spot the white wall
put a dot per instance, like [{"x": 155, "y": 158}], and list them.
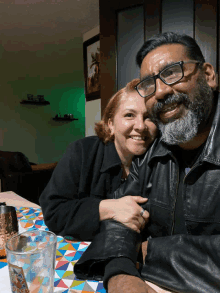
[{"x": 92, "y": 108}]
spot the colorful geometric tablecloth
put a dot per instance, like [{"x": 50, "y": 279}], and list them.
[{"x": 67, "y": 255}]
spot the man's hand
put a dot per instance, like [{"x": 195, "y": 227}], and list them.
[
  {"x": 125, "y": 210},
  {"x": 126, "y": 283}
]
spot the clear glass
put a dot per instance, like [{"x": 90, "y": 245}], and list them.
[{"x": 31, "y": 261}]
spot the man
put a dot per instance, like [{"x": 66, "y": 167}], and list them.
[{"x": 179, "y": 175}]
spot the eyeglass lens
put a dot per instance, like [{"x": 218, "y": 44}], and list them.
[{"x": 169, "y": 76}]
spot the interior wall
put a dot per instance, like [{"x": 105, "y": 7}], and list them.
[
  {"x": 51, "y": 64},
  {"x": 92, "y": 108}
]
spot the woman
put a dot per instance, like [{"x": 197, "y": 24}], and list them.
[{"x": 79, "y": 194}]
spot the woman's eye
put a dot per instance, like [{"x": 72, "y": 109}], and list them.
[{"x": 129, "y": 115}]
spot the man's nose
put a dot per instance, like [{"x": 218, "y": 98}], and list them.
[{"x": 162, "y": 89}]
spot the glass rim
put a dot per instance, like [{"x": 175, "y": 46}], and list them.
[{"x": 30, "y": 252}]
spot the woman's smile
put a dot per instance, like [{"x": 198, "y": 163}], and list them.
[{"x": 138, "y": 138}]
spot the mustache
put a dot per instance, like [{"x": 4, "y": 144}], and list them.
[{"x": 169, "y": 100}]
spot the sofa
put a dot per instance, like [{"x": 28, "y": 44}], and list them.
[{"x": 23, "y": 177}]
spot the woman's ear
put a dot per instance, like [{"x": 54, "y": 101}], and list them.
[
  {"x": 111, "y": 126},
  {"x": 210, "y": 75}
]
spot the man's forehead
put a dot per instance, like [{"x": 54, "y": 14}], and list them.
[{"x": 162, "y": 56}]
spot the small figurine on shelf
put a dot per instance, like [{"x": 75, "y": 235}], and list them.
[
  {"x": 40, "y": 98},
  {"x": 30, "y": 97},
  {"x": 56, "y": 116}
]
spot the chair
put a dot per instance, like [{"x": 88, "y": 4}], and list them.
[{"x": 24, "y": 178}]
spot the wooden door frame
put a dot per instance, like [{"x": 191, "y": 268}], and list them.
[{"x": 108, "y": 38}]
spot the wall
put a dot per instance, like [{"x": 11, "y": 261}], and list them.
[
  {"x": 92, "y": 108},
  {"x": 35, "y": 62}
]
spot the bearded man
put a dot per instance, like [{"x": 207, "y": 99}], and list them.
[{"x": 179, "y": 175}]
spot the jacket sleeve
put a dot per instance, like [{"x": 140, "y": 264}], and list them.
[
  {"x": 114, "y": 242},
  {"x": 184, "y": 263},
  {"x": 179, "y": 263},
  {"x": 66, "y": 210}
]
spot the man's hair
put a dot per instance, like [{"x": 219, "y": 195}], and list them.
[
  {"x": 101, "y": 128},
  {"x": 192, "y": 48}
]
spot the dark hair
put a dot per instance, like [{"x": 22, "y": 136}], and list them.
[
  {"x": 102, "y": 128},
  {"x": 192, "y": 48}
]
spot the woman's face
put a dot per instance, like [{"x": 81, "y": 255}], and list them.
[{"x": 131, "y": 126}]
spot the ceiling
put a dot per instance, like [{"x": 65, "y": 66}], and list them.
[{"x": 48, "y": 17}]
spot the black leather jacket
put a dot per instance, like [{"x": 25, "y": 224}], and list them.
[{"x": 182, "y": 263}]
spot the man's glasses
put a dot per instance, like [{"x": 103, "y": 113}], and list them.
[{"x": 169, "y": 75}]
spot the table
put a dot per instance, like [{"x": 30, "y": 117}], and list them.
[
  {"x": 68, "y": 252},
  {"x": 13, "y": 199}
]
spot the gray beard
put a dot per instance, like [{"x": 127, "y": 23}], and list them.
[
  {"x": 186, "y": 128},
  {"x": 180, "y": 130}
]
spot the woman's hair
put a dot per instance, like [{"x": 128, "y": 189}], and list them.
[
  {"x": 193, "y": 50},
  {"x": 101, "y": 128}
]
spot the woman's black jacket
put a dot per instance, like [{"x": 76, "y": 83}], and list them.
[{"x": 89, "y": 172}]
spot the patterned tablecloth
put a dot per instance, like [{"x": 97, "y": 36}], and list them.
[{"x": 67, "y": 255}]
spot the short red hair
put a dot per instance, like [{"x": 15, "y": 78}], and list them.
[{"x": 101, "y": 128}]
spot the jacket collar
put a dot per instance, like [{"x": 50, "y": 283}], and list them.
[
  {"x": 211, "y": 151},
  {"x": 111, "y": 157}
]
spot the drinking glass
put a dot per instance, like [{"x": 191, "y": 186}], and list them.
[
  {"x": 31, "y": 261},
  {"x": 8, "y": 226}
]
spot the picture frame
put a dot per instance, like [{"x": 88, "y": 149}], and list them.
[{"x": 91, "y": 57}]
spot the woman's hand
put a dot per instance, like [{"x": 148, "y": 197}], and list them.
[{"x": 125, "y": 210}]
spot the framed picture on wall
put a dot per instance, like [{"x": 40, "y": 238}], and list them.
[{"x": 91, "y": 57}]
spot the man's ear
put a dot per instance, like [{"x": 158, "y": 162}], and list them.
[
  {"x": 210, "y": 75},
  {"x": 111, "y": 126}
]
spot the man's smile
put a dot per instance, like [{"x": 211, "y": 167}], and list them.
[{"x": 171, "y": 111}]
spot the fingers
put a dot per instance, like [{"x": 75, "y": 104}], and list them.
[
  {"x": 142, "y": 223},
  {"x": 128, "y": 212},
  {"x": 146, "y": 216},
  {"x": 133, "y": 226},
  {"x": 139, "y": 199}
]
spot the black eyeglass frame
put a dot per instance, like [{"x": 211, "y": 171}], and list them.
[{"x": 155, "y": 77}]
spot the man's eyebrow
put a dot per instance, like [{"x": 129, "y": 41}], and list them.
[{"x": 160, "y": 69}]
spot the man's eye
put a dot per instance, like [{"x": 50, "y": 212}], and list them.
[
  {"x": 147, "y": 84},
  {"x": 168, "y": 73}
]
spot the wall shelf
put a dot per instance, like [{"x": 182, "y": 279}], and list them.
[
  {"x": 35, "y": 102},
  {"x": 64, "y": 119}
]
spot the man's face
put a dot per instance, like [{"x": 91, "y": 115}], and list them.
[{"x": 182, "y": 109}]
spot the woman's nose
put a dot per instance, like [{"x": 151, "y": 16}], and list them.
[
  {"x": 162, "y": 90},
  {"x": 139, "y": 124}
]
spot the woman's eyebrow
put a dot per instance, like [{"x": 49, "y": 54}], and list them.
[{"x": 130, "y": 109}]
